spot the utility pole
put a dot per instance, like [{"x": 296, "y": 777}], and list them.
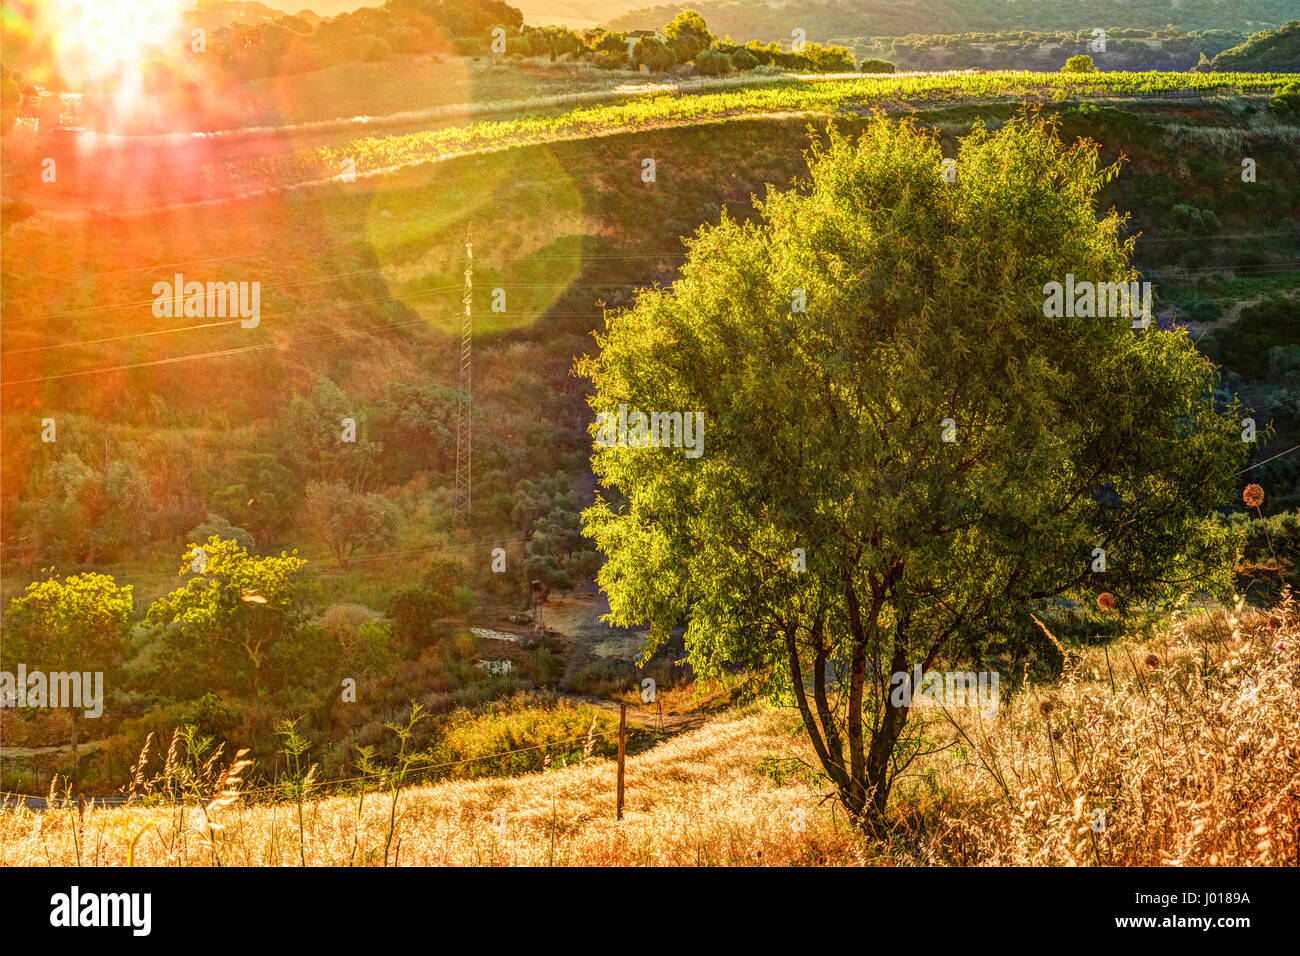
[{"x": 465, "y": 406}]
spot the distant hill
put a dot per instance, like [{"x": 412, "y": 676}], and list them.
[
  {"x": 578, "y": 14},
  {"x": 214, "y": 14},
  {"x": 1276, "y": 51},
  {"x": 823, "y": 19},
  {"x": 1164, "y": 50},
  {"x": 321, "y": 8}
]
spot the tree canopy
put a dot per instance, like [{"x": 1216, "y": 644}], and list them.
[
  {"x": 234, "y": 598},
  {"x": 902, "y": 453}
]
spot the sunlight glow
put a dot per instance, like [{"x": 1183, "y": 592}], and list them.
[{"x": 98, "y": 39}]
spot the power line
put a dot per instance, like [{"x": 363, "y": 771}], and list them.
[
  {"x": 1267, "y": 460},
  {"x": 422, "y": 320}
]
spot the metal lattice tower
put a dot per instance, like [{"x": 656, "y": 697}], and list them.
[{"x": 464, "y": 430}]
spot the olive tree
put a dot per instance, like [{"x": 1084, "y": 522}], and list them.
[
  {"x": 69, "y": 629},
  {"x": 903, "y": 448},
  {"x": 234, "y": 598}
]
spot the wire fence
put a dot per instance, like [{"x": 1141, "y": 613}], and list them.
[{"x": 384, "y": 778}]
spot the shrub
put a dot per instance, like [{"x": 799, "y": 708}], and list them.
[
  {"x": 652, "y": 53},
  {"x": 765, "y": 53},
  {"x": 873, "y": 65},
  {"x": 602, "y": 678},
  {"x": 1286, "y": 100},
  {"x": 611, "y": 61},
  {"x": 1193, "y": 221},
  {"x": 1206, "y": 311},
  {"x": 466, "y": 46},
  {"x": 743, "y": 60},
  {"x": 829, "y": 59},
  {"x": 222, "y": 528},
  {"x": 712, "y": 63},
  {"x": 1079, "y": 64}
]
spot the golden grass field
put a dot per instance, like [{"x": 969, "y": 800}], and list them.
[{"x": 1165, "y": 736}]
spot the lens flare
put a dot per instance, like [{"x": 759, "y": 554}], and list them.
[{"x": 98, "y": 39}]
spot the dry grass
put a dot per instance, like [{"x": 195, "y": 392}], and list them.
[
  {"x": 694, "y": 800},
  {"x": 1188, "y": 766},
  {"x": 1160, "y": 736}
]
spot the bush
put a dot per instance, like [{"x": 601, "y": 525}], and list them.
[
  {"x": 416, "y": 611},
  {"x": 602, "y": 678},
  {"x": 873, "y": 65},
  {"x": 765, "y": 53},
  {"x": 829, "y": 59},
  {"x": 1286, "y": 100},
  {"x": 712, "y": 63},
  {"x": 654, "y": 54},
  {"x": 611, "y": 61},
  {"x": 466, "y": 46},
  {"x": 1284, "y": 364},
  {"x": 222, "y": 528},
  {"x": 1079, "y": 64},
  {"x": 1193, "y": 221},
  {"x": 1245, "y": 346},
  {"x": 743, "y": 60},
  {"x": 1205, "y": 312}
]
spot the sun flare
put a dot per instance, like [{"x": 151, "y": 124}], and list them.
[{"x": 97, "y": 39}]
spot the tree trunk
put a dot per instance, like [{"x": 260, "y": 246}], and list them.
[
  {"x": 883, "y": 742},
  {"x": 254, "y": 655},
  {"x": 76, "y": 763}
]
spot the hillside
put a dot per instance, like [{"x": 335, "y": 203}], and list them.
[
  {"x": 1277, "y": 50},
  {"x": 1157, "y": 737},
  {"x": 824, "y": 19},
  {"x": 361, "y": 287}
]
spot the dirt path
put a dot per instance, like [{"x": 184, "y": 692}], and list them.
[
  {"x": 84, "y": 749},
  {"x": 647, "y": 717},
  {"x": 1233, "y": 313}
]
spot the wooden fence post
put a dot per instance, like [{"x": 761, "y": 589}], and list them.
[{"x": 622, "y": 748}]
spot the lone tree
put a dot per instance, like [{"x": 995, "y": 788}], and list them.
[
  {"x": 344, "y": 520},
  {"x": 901, "y": 452},
  {"x": 234, "y": 598},
  {"x": 69, "y": 629}
]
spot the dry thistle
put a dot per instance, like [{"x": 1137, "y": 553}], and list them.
[{"x": 1253, "y": 496}]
